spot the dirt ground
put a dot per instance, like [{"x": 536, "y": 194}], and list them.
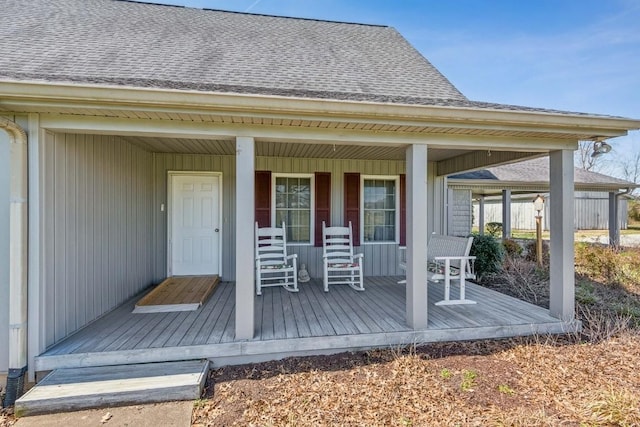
[
  {"x": 519, "y": 382},
  {"x": 537, "y": 381}
]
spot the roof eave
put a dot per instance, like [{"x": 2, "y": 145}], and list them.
[
  {"x": 98, "y": 95},
  {"x": 480, "y": 183}
]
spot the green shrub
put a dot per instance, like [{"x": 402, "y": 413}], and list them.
[
  {"x": 494, "y": 228},
  {"x": 596, "y": 262},
  {"x": 512, "y": 248},
  {"x": 489, "y": 254},
  {"x": 608, "y": 265}
]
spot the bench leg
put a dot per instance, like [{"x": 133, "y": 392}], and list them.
[{"x": 447, "y": 289}]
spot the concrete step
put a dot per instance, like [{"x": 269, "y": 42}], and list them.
[{"x": 81, "y": 388}]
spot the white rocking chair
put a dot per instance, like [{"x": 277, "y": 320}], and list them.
[
  {"x": 341, "y": 265},
  {"x": 273, "y": 266}
]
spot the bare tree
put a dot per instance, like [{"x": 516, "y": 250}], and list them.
[
  {"x": 631, "y": 169},
  {"x": 585, "y": 160}
]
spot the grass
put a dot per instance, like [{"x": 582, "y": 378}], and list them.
[
  {"x": 632, "y": 229},
  {"x": 468, "y": 380}
]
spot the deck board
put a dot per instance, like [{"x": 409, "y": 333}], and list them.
[
  {"x": 291, "y": 330},
  {"x": 225, "y": 304},
  {"x": 283, "y": 316},
  {"x": 335, "y": 304}
]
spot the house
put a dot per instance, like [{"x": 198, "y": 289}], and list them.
[
  {"x": 476, "y": 198},
  {"x": 114, "y": 111}
]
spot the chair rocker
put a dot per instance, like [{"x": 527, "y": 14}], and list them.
[
  {"x": 341, "y": 265},
  {"x": 273, "y": 266}
]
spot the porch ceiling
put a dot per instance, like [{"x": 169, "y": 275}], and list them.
[{"x": 270, "y": 148}]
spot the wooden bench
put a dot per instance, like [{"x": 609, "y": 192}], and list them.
[{"x": 448, "y": 260}]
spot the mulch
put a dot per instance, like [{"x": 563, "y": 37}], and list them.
[{"x": 522, "y": 382}]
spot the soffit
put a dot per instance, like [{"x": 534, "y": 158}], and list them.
[{"x": 352, "y": 123}]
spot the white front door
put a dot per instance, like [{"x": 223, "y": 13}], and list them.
[{"x": 194, "y": 242}]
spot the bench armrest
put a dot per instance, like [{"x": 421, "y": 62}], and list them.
[{"x": 443, "y": 258}]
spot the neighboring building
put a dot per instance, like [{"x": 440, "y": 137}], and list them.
[
  {"x": 128, "y": 108},
  {"x": 485, "y": 191},
  {"x": 591, "y": 211}
]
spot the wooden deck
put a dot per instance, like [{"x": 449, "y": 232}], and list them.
[{"x": 310, "y": 321}]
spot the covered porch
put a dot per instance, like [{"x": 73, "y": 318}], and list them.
[
  {"x": 100, "y": 207},
  {"x": 308, "y": 322}
]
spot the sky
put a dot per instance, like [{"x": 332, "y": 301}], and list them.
[{"x": 572, "y": 55}]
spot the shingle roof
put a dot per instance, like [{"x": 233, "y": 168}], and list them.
[
  {"x": 126, "y": 43},
  {"x": 147, "y": 45},
  {"x": 537, "y": 170}
]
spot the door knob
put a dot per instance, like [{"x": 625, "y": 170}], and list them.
[{"x": 217, "y": 230}]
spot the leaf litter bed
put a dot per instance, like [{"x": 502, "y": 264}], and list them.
[{"x": 517, "y": 382}]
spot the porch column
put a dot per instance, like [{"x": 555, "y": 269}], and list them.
[
  {"x": 614, "y": 226},
  {"x": 417, "y": 234},
  {"x": 481, "y": 215},
  {"x": 562, "y": 280},
  {"x": 245, "y": 207},
  {"x": 506, "y": 214}
]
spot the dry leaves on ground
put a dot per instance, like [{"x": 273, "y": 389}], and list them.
[
  {"x": 513, "y": 382},
  {"x": 6, "y": 418}
]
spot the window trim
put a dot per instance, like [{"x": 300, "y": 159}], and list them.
[
  {"x": 312, "y": 204},
  {"x": 396, "y": 179}
]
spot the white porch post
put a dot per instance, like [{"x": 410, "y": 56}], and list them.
[
  {"x": 417, "y": 234},
  {"x": 614, "y": 226},
  {"x": 506, "y": 214},
  {"x": 481, "y": 215},
  {"x": 245, "y": 207},
  {"x": 562, "y": 280}
]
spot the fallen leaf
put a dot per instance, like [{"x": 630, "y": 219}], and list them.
[{"x": 106, "y": 417}]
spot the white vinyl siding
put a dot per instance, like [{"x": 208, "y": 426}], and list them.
[
  {"x": 460, "y": 215},
  {"x": 96, "y": 214}
]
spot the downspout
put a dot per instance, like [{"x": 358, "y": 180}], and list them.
[{"x": 18, "y": 168}]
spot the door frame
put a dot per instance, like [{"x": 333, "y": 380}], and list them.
[{"x": 170, "y": 175}]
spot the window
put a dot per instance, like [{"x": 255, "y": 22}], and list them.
[
  {"x": 293, "y": 205},
  {"x": 380, "y": 209}
]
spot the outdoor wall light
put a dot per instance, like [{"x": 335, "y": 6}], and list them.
[{"x": 600, "y": 148}]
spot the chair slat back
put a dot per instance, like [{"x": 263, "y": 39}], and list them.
[
  {"x": 271, "y": 244},
  {"x": 337, "y": 243}
]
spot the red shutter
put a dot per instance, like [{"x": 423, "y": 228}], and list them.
[
  {"x": 263, "y": 198},
  {"x": 352, "y": 204},
  {"x": 322, "y": 204},
  {"x": 403, "y": 210}
]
